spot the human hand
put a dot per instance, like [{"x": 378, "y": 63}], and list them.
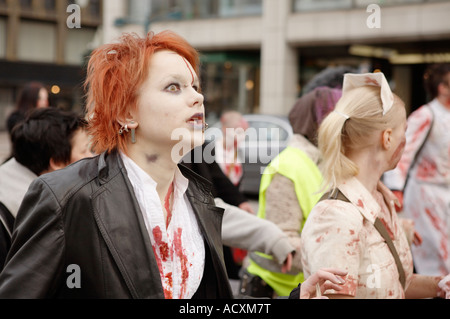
[
  {"x": 417, "y": 239},
  {"x": 322, "y": 280},
  {"x": 399, "y": 202},
  {"x": 444, "y": 284},
  {"x": 247, "y": 207}
]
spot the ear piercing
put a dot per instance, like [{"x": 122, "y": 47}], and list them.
[{"x": 124, "y": 129}]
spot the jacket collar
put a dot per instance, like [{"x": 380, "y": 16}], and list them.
[
  {"x": 117, "y": 211},
  {"x": 355, "y": 191},
  {"x": 361, "y": 198}
]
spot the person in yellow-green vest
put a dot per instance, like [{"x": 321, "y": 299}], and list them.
[{"x": 290, "y": 187}]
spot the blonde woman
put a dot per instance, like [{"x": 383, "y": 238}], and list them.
[{"x": 363, "y": 138}]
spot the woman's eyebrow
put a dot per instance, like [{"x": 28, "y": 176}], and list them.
[{"x": 180, "y": 78}]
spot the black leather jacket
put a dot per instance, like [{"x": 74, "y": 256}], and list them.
[{"x": 87, "y": 215}]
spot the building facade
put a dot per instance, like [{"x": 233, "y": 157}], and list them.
[
  {"x": 46, "y": 41},
  {"x": 258, "y": 54}
]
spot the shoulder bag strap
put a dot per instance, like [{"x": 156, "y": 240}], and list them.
[
  {"x": 416, "y": 155},
  {"x": 379, "y": 226},
  {"x": 384, "y": 233}
]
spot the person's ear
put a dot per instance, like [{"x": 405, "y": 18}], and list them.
[
  {"x": 386, "y": 139},
  {"x": 54, "y": 166},
  {"x": 129, "y": 122}
]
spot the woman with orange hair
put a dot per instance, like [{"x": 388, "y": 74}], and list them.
[{"x": 129, "y": 223}]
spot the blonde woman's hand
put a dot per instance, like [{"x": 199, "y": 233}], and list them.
[
  {"x": 444, "y": 284},
  {"x": 320, "y": 281}
]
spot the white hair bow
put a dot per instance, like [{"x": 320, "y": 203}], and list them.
[{"x": 352, "y": 81}]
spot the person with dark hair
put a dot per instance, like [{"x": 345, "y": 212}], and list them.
[
  {"x": 331, "y": 76},
  {"x": 33, "y": 95},
  {"x": 421, "y": 180},
  {"x": 47, "y": 140}
]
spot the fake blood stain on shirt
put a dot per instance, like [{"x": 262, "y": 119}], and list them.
[
  {"x": 160, "y": 244},
  {"x": 179, "y": 251}
]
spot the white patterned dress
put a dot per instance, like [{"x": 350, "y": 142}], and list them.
[{"x": 427, "y": 192}]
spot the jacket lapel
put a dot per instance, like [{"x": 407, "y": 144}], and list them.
[
  {"x": 209, "y": 218},
  {"x": 121, "y": 224},
  {"x": 208, "y": 215}
]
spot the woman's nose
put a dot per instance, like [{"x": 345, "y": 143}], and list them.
[{"x": 197, "y": 99}]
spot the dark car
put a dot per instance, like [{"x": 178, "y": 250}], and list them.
[{"x": 265, "y": 138}]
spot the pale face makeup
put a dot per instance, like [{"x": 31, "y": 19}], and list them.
[
  {"x": 398, "y": 142},
  {"x": 169, "y": 105}
]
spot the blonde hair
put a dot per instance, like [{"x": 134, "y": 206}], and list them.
[{"x": 338, "y": 135}]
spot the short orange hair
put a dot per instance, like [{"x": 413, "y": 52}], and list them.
[{"x": 114, "y": 76}]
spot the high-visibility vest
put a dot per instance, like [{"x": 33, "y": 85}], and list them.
[{"x": 294, "y": 164}]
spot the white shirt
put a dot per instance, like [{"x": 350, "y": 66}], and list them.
[
  {"x": 179, "y": 248},
  {"x": 14, "y": 182}
]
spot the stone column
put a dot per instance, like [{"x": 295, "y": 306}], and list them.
[{"x": 279, "y": 62}]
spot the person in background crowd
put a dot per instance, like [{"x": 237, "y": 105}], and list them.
[
  {"x": 289, "y": 190},
  {"x": 33, "y": 95},
  {"x": 228, "y": 159},
  {"x": 421, "y": 180},
  {"x": 355, "y": 226},
  {"x": 47, "y": 140},
  {"x": 240, "y": 229},
  {"x": 226, "y": 148},
  {"x": 331, "y": 76}
]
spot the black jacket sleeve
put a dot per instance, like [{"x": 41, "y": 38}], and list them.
[
  {"x": 6, "y": 228},
  {"x": 222, "y": 186}
]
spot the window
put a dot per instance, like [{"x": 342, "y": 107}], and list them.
[
  {"x": 2, "y": 38},
  {"x": 26, "y": 4},
  {"x": 77, "y": 45},
  {"x": 315, "y": 5},
  {"x": 37, "y": 41},
  {"x": 199, "y": 9},
  {"x": 231, "y": 80},
  {"x": 139, "y": 10},
  {"x": 95, "y": 9},
  {"x": 232, "y": 8},
  {"x": 365, "y": 3},
  {"x": 50, "y": 5}
]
